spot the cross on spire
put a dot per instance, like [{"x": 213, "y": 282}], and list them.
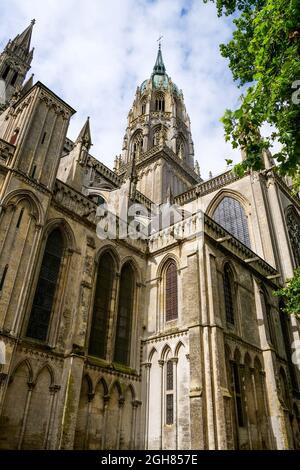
[{"x": 159, "y": 41}]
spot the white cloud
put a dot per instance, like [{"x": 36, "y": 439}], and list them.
[{"x": 94, "y": 53}]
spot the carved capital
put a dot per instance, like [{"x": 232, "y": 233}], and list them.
[
  {"x": 121, "y": 402},
  {"x": 31, "y": 386},
  {"x": 106, "y": 399},
  {"x": 54, "y": 389}
]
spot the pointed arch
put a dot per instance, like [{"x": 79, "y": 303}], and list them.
[
  {"x": 112, "y": 251},
  {"x": 136, "y": 144},
  {"x": 48, "y": 368},
  {"x": 166, "y": 349},
  {"x": 257, "y": 364},
  {"x": 66, "y": 232},
  {"x": 28, "y": 366},
  {"x": 89, "y": 382},
  {"x": 178, "y": 347},
  {"x": 130, "y": 388},
  {"x": 116, "y": 386},
  {"x": 134, "y": 265},
  {"x": 151, "y": 354},
  {"x": 104, "y": 385},
  {"x": 162, "y": 265},
  {"x": 16, "y": 196}
]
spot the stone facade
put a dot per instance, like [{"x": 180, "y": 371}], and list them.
[{"x": 169, "y": 342}]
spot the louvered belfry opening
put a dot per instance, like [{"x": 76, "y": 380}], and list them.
[{"x": 46, "y": 287}]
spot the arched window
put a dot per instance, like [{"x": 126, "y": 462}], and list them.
[
  {"x": 231, "y": 215},
  {"x": 160, "y": 102},
  {"x": 293, "y": 225},
  {"x": 6, "y": 72},
  {"x": 46, "y": 287},
  {"x": 125, "y": 312},
  {"x": 171, "y": 292},
  {"x": 169, "y": 392},
  {"x": 143, "y": 107},
  {"x": 102, "y": 303},
  {"x": 228, "y": 294},
  {"x": 180, "y": 148},
  {"x": 137, "y": 145},
  {"x": 14, "y": 78}
]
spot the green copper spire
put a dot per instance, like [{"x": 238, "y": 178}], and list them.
[{"x": 159, "y": 67}]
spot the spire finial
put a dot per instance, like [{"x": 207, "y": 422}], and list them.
[
  {"x": 85, "y": 135},
  {"x": 159, "y": 67},
  {"x": 33, "y": 22}
]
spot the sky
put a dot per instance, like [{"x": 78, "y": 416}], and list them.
[{"x": 94, "y": 54}]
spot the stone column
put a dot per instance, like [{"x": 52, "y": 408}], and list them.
[
  {"x": 72, "y": 381},
  {"x": 145, "y": 400},
  {"x": 31, "y": 386},
  {"x": 162, "y": 409},
  {"x": 279, "y": 228},
  {"x": 276, "y": 418}
]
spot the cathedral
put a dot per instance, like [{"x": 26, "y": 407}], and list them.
[{"x": 172, "y": 340}]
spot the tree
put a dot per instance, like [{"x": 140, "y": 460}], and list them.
[
  {"x": 291, "y": 294},
  {"x": 264, "y": 54}
]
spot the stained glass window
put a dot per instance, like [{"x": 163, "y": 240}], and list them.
[
  {"x": 171, "y": 292},
  {"x": 102, "y": 302},
  {"x": 169, "y": 392},
  {"x": 47, "y": 283},
  {"x": 169, "y": 408},
  {"x": 231, "y": 215},
  {"x": 124, "y": 320},
  {"x": 170, "y": 375}
]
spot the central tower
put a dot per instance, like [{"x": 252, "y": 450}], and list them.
[{"x": 158, "y": 138}]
